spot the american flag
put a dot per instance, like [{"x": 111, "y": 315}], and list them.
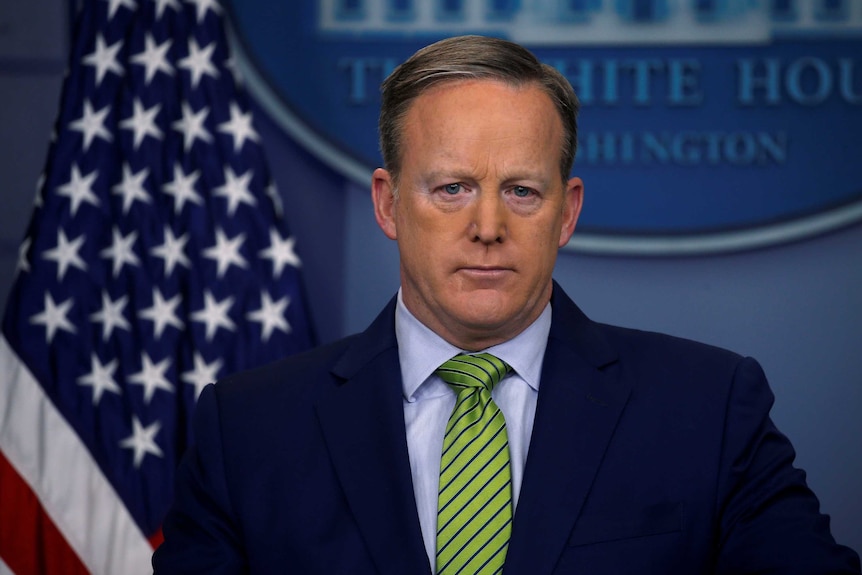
[{"x": 156, "y": 261}]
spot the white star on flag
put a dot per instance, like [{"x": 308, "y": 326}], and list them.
[
  {"x": 239, "y": 127},
  {"x": 114, "y": 5},
  {"x": 23, "y": 262},
  {"x": 104, "y": 58},
  {"x": 235, "y": 189},
  {"x": 162, "y": 4},
  {"x": 101, "y": 378},
  {"x": 171, "y": 250},
  {"x": 270, "y": 315},
  {"x": 154, "y": 57},
  {"x": 152, "y": 376},
  {"x": 272, "y": 191},
  {"x": 142, "y": 441},
  {"x": 182, "y": 188},
  {"x": 37, "y": 202},
  {"x": 66, "y": 254},
  {"x": 162, "y": 313},
  {"x": 280, "y": 252},
  {"x": 111, "y": 315},
  {"x": 203, "y": 5},
  {"x": 214, "y": 315},
  {"x": 191, "y": 126},
  {"x": 199, "y": 62},
  {"x": 53, "y": 317},
  {"x": 132, "y": 187},
  {"x": 79, "y": 189},
  {"x": 225, "y": 252},
  {"x": 203, "y": 373},
  {"x": 92, "y": 124},
  {"x": 120, "y": 251},
  {"x": 232, "y": 65},
  {"x": 142, "y": 122}
]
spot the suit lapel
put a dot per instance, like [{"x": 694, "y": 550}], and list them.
[
  {"x": 580, "y": 402},
  {"x": 363, "y": 424}
]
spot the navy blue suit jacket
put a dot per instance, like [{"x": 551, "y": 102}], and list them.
[{"x": 649, "y": 454}]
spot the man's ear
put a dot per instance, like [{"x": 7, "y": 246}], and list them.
[
  {"x": 571, "y": 209},
  {"x": 383, "y": 196}
]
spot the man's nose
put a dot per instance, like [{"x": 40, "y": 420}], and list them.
[{"x": 489, "y": 217}]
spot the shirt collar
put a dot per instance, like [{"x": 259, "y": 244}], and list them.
[{"x": 421, "y": 351}]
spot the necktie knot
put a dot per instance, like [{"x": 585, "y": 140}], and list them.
[{"x": 473, "y": 371}]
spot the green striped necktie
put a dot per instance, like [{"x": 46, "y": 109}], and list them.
[{"x": 474, "y": 506}]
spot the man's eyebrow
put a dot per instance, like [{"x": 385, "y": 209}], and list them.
[{"x": 454, "y": 174}]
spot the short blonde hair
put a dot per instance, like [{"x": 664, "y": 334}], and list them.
[{"x": 471, "y": 58}]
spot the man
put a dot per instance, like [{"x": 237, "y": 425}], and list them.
[{"x": 591, "y": 449}]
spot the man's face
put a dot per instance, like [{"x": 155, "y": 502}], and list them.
[{"x": 480, "y": 209}]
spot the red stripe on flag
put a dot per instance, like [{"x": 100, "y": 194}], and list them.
[
  {"x": 156, "y": 539},
  {"x": 30, "y": 543}
]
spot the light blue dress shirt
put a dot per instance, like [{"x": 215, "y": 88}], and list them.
[{"x": 429, "y": 401}]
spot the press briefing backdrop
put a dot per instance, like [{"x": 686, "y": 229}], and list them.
[{"x": 720, "y": 151}]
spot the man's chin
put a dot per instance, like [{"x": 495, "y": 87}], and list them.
[{"x": 485, "y": 310}]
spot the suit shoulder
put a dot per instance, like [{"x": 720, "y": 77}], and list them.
[
  {"x": 684, "y": 375},
  {"x": 671, "y": 352},
  {"x": 602, "y": 344},
  {"x": 295, "y": 374}
]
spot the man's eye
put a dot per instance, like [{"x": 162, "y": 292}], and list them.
[
  {"x": 452, "y": 188},
  {"x": 521, "y": 191}
]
